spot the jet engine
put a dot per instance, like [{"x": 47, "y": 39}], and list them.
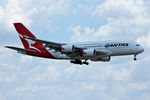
[
  {"x": 104, "y": 59},
  {"x": 89, "y": 52},
  {"x": 67, "y": 48}
]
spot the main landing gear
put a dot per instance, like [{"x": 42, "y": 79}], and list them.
[
  {"x": 135, "y": 58},
  {"x": 77, "y": 61}
]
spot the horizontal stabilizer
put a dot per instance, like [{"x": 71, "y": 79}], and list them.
[{"x": 20, "y": 49}]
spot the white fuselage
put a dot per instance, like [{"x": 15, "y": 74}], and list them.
[{"x": 114, "y": 48}]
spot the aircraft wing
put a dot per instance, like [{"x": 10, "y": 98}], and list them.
[
  {"x": 52, "y": 45},
  {"x": 20, "y": 49}
]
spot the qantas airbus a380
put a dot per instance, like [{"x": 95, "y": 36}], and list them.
[{"x": 77, "y": 53}]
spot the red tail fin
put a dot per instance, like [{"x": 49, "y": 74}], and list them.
[
  {"x": 21, "y": 29},
  {"x": 24, "y": 33}
]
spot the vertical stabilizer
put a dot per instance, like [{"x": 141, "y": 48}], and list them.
[{"x": 24, "y": 34}]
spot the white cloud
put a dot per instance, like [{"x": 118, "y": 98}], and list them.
[
  {"x": 14, "y": 13},
  {"x": 70, "y": 71},
  {"x": 26, "y": 11},
  {"x": 120, "y": 8},
  {"x": 53, "y": 73},
  {"x": 5, "y": 59},
  {"x": 114, "y": 74},
  {"x": 123, "y": 28},
  {"x": 144, "y": 40},
  {"x": 26, "y": 59},
  {"x": 87, "y": 35},
  {"x": 48, "y": 73},
  {"x": 88, "y": 85},
  {"x": 138, "y": 86},
  {"x": 7, "y": 78},
  {"x": 126, "y": 19},
  {"x": 7, "y": 67},
  {"x": 1, "y": 14},
  {"x": 2, "y": 98}
]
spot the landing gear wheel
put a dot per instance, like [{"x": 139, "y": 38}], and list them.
[
  {"x": 135, "y": 58},
  {"x": 85, "y": 63},
  {"x": 71, "y": 61},
  {"x": 77, "y": 61}
]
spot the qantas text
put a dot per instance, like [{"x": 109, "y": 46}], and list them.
[{"x": 116, "y": 45}]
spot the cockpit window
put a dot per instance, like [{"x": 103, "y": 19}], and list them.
[{"x": 137, "y": 45}]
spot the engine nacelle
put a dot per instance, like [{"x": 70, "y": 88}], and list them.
[
  {"x": 67, "y": 48},
  {"x": 88, "y": 52},
  {"x": 104, "y": 59}
]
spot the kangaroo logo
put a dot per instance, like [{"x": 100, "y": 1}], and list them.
[{"x": 30, "y": 42}]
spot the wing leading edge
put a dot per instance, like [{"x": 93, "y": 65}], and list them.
[{"x": 52, "y": 45}]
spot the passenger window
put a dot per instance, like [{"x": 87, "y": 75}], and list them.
[{"x": 137, "y": 45}]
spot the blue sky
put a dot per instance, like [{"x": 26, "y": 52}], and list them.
[{"x": 25, "y": 77}]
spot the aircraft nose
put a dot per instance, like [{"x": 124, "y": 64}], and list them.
[{"x": 141, "y": 49}]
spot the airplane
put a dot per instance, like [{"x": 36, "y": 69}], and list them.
[{"x": 77, "y": 53}]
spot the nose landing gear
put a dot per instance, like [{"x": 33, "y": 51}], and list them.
[{"x": 135, "y": 58}]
